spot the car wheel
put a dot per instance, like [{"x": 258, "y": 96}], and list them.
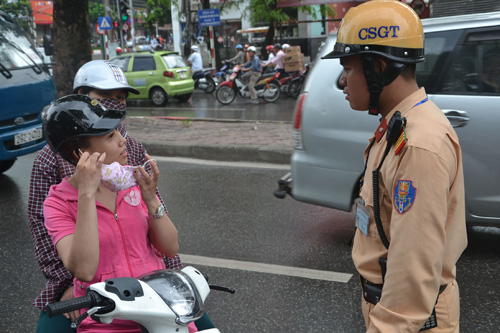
[
  {"x": 158, "y": 96},
  {"x": 225, "y": 95},
  {"x": 272, "y": 92},
  {"x": 183, "y": 98},
  {"x": 6, "y": 165}
]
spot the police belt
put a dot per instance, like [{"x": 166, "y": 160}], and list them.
[{"x": 372, "y": 292}]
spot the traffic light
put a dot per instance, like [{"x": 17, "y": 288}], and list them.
[{"x": 124, "y": 10}]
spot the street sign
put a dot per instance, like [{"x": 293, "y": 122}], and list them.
[
  {"x": 208, "y": 17},
  {"x": 99, "y": 31},
  {"x": 420, "y": 8},
  {"x": 104, "y": 22}
]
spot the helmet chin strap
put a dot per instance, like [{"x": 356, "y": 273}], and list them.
[{"x": 377, "y": 81}]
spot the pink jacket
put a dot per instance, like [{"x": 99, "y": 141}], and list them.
[{"x": 125, "y": 250}]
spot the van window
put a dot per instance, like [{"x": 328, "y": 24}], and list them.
[
  {"x": 144, "y": 64},
  {"x": 476, "y": 66},
  {"x": 438, "y": 47}
]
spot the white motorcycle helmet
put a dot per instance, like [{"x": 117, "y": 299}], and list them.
[
  {"x": 285, "y": 46},
  {"x": 195, "y": 48},
  {"x": 101, "y": 75},
  {"x": 252, "y": 49}
]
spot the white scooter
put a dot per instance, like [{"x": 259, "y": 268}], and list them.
[{"x": 162, "y": 301}]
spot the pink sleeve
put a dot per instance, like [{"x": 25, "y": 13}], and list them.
[
  {"x": 58, "y": 219},
  {"x": 192, "y": 327}
]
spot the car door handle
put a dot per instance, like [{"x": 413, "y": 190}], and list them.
[
  {"x": 457, "y": 118},
  {"x": 151, "y": 73}
]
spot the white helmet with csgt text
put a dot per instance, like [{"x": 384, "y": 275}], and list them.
[{"x": 101, "y": 75}]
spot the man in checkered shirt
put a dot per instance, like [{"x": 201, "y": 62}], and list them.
[{"x": 50, "y": 169}]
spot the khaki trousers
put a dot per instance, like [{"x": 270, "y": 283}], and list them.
[{"x": 251, "y": 77}]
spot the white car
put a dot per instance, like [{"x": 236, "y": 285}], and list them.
[
  {"x": 141, "y": 43},
  {"x": 330, "y": 138}
]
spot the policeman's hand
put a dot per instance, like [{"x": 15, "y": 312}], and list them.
[
  {"x": 87, "y": 176},
  {"x": 67, "y": 295}
]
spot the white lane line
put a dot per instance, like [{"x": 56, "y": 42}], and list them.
[
  {"x": 266, "y": 268},
  {"x": 222, "y": 163}
]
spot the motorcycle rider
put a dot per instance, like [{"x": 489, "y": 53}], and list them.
[
  {"x": 107, "y": 81},
  {"x": 195, "y": 61},
  {"x": 83, "y": 215},
  {"x": 239, "y": 58},
  {"x": 277, "y": 61},
  {"x": 407, "y": 242},
  {"x": 270, "y": 53},
  {"x": 253, "y": 71}
]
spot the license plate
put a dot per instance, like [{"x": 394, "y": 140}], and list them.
[
  {"x": 182, "y": 75},
  {"x": 27, "y": 136}
]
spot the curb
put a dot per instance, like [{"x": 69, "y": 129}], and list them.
[{"x": 221, "y": 153}]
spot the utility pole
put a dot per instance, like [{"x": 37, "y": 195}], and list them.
[
  {"x": 120, "y": 21},
  {"x": 187, "y": 28},
  {"x": 132, "y": 23}
]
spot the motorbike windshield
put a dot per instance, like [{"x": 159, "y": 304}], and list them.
[{"x": 178, "y": 291}]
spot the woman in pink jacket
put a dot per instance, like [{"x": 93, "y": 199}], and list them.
[{"x": 106, "y": 220}]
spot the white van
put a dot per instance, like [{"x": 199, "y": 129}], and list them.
[{"x": 461, "y": 75}]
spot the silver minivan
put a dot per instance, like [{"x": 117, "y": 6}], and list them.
[{"x": 461, "y": 75}]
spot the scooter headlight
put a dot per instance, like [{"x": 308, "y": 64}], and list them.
[{"x": 177, "y": 291}]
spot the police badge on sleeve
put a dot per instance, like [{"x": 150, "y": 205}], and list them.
[{"x": 404, "y": 196}]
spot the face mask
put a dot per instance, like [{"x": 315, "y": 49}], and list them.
[
  {"x": 117, "y": 177},
  {"x": 112, "y": 104}
]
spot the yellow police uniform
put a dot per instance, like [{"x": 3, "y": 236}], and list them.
[{"x": 421, "y": 195}]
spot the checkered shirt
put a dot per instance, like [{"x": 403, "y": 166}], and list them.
[{"x": 50, "y": 169}]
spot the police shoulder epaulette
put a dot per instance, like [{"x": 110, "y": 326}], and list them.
[{"x": 401, "y": 142}]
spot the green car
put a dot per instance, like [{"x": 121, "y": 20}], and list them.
[{"x": 157, "y": 75}]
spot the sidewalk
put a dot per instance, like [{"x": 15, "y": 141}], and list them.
[{"x": 222, "y": 140}]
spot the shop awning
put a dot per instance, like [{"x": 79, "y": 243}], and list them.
[{"x": 253, "y": 30}]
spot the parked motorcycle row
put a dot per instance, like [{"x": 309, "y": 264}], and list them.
[{"x": 227, "y": 84}]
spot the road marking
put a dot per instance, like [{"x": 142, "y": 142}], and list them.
[
  {"x": 266, "y": 268},
  {"x": 222, "y": 163}
]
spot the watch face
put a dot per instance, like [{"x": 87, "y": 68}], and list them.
[{"x": 161, "y": 211}]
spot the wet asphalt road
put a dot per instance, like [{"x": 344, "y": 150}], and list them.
[
  {"x": 228, "y": 212},
  {"x": 202, "y": 106}
]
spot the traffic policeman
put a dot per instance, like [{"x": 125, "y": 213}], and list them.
[{"x": 411, "y": 217}]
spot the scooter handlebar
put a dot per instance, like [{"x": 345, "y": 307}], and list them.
[{"x": 88, "y": 301}]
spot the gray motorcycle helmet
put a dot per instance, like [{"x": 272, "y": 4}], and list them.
[{"x": 101, "y": 75}]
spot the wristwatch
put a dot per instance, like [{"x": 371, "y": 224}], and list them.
[{"x": 159, "y": 213}]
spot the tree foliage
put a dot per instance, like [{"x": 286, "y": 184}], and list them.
[
  {"x": 20, "y": 11},
  {"x": 268, "y": 11},
  {"x": 158, "y": 12}
]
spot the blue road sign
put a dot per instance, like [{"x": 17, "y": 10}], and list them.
[
  {"x": 208, "y": 17},
  {"x": 104, "y": 22}
]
